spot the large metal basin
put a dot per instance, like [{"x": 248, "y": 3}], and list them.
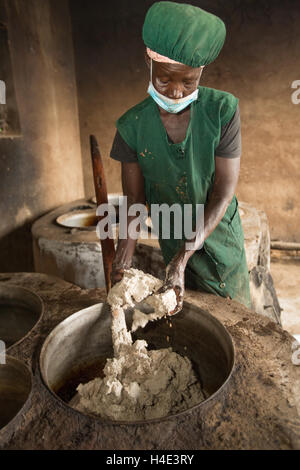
[
  {"x": 20, "y": 310},
  {"x": 76, "y": 350},
  {"x": 15, "y": 387}
]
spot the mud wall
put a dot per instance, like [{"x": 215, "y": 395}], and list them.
[
  {"x": 41, "y": 167},
  {"x": 258, "y": 64}
]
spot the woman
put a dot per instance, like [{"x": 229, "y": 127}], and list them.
[{"x": 182, "y": 145}]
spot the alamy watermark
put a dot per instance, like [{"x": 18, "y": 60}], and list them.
[
  {"x": 2, "y": 352},
  {"x": 295, "y": 97},
  {"x": 2, "y": 92},
  {"x": 174, "y": 221},
  {"x": 296, "y": 353}
]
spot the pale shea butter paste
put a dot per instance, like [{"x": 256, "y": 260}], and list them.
[{"x": 139, "y": 384}]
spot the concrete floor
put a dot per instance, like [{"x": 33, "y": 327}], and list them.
[{"x": 286, "y": 276}]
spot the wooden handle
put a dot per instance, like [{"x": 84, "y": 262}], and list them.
[{"x": 107, "y": 245}]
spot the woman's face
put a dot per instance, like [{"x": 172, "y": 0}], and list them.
[{"x": 175, "y": 80}]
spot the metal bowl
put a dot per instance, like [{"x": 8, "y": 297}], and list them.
[
  {"x": 20, "y": 310},
  {"x": 76, "y": 350},
  {"x": 15, "y": 387},
  {"x": 83, "y": 219}
]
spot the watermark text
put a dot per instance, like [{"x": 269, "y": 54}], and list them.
[
  {"x": 2, "y": 92},
  {"x": 176, "y": 222}
]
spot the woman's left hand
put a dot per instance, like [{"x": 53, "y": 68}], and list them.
[{"x": 175, "y": 280}]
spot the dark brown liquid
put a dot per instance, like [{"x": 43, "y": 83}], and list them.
[
  {"x": 9, "y": 407},
  {"x": 80, "y": 375},
  {"x": 90, "y": 221},
  {"x": 15, "y": 322}
]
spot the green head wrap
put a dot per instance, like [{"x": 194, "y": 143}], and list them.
[{"x": 184, "y": 33}]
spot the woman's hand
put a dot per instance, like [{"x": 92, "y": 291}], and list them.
[{"x": 175, "y": 280}]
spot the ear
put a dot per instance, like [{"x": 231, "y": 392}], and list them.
[{"x": 147, "y": 59}]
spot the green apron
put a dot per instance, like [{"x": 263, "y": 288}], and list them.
[{"x": 184, "y": 173}]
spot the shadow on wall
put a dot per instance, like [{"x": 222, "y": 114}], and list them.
[
  {"x": 40, "y": 169},
  {"x": 17, "y": 243}
]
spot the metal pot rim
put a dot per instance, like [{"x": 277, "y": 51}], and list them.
[
  {"x": 42, "y": 310},
  {"x": 144, "y": 422},
  {"x": 30, "y": 375}
]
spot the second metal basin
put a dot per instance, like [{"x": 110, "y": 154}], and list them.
[
  {"x": 15, "y": 387},
  {"x": 20, "y": 310}
]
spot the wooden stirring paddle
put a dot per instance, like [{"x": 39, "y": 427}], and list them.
[{"x": 107, "y": 245}]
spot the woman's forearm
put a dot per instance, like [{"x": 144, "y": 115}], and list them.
[
  {"x": 133, "y": 190},
  {"x": 213, "y": 214},
  {"x": 126, "y": 248},
  {"x": 226, "y": 178}
]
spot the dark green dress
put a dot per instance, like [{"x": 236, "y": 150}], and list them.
[{"x": 184, "y": 173}]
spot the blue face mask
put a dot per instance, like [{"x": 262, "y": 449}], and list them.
[{"x": 169, "y": 104}]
